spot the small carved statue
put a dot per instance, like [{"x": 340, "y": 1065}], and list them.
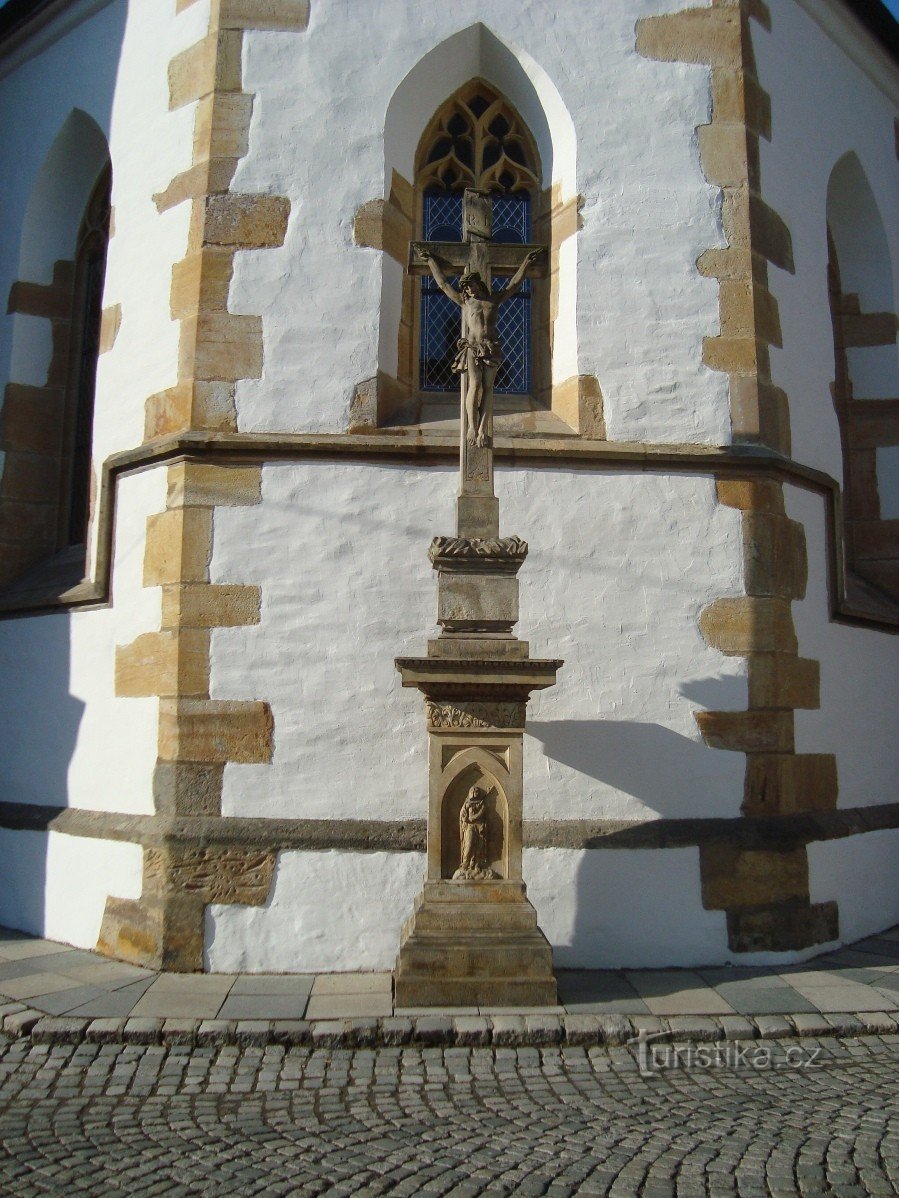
[
  {"x": 478, "y": 350},
  {"x": 475, "y": 860}
]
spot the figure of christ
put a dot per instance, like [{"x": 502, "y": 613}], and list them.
[
  {"x": 478, "y": 350},
  {"x": 475, "y": 862}
]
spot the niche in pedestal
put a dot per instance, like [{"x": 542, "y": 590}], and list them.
[{"x": 474, "y": 821}]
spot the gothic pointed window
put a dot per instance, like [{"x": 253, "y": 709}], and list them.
[{"x": 476, "y": 140}]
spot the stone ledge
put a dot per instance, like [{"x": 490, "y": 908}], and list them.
[
  {"x": 515, "y": 1030},
  {"x": 408, "y": 836}
]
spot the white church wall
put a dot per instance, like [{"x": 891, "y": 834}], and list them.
[
  {"x": 619, "y": 568},
  {"x": 859, "y": 680},
  {"x": 823, "y": 106},
  {"x": 56, "y": 885},
  {"x": 65, "y": 739},
  {"x": 588, "y": 904},
  {"x": 642, "y": 308},
  {"x": 296, "y": 931},
  {"x": 860, "y": 873}
]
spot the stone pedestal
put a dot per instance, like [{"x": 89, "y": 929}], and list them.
[{"x": 473, "y": 937}]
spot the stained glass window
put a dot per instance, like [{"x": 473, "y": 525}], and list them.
[{"x": 476, "y": 140}]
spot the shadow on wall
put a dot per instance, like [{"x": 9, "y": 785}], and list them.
[
  {"x": 640, "y": 906},
  {"x": 670, "y": 774},
  {"x": 39, "y": 728}
]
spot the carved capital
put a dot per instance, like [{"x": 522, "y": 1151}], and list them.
[
  {"x": 443, "y": 717},
  {"x": 471, "y": 555}
]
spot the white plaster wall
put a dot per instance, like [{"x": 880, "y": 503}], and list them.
[
  {"x": 56, "y": 885},
  {"x": 317, "y": 135},
  {"x": 327, "y": 912},
  {"x": 619, "y": 570},
  {"x": 860, "y": 873},
  {"x": 859, "y": 715},
  {"x": 823, "y": 105},
  {"x": 65, "y": 739},
  {"x": 113, "y": 67},
  {"x": 597, "y": 909}
]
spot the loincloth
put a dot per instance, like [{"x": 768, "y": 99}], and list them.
[{"x": 486, "y": 353}]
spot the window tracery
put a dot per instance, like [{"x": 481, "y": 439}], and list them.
[{"x": 476, "y": 140}]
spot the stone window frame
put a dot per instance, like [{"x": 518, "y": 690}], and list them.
[
  {"x": 57, "y": 573},
  {"x": 527, "y": 178}
]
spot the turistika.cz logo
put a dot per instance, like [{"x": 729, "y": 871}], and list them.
[{"x": 656, "y": 1054}]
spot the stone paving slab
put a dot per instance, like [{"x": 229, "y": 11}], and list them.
[{"x": 852, "y": 983}]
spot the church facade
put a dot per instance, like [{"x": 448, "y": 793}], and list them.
[{"x": 230, "y": 430}]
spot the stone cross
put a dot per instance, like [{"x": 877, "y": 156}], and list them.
[{"x": 478, "y": 351}]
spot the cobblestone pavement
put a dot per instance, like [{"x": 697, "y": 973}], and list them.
[{"x": 143, "y": 1120}]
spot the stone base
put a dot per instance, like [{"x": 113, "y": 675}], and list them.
[{"x": 474, "y": 944}]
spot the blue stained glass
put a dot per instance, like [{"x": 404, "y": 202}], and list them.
[{"x": 440, "y": 317}]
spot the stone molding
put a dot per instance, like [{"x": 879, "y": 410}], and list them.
[
  {"x": 759, "y": 834},
  {"x": 744, "y": 465}
]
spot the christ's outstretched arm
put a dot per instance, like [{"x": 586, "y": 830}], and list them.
[
  {"x": 517, "y": 279},
  {"x": 440, "y": 278}
]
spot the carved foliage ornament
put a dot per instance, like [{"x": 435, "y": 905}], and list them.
[
  {"x": 446, "y": 716},
  {"x": 499, "y": 555}
]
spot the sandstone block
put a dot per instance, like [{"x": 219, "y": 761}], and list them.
[
  {"x": 779, "y": 680},
  {"x": 214, "y": 730},
  {"x": 285, "y": 15},
  {"x": 222, "y": 125},
  {"x": 710, "y": 36},
  {"x": 246, "y": 221},
  {"x": 164, "y": 663},
  {"x": 110, "y": 323},
  {"x": 733, "y": 877},
  {"x": 747, "y": 731},
  {"x": 206, "y": 177},
  {"x": 749, "y": 625},
  {"x": 200, "y": 282},
  {"x": 213, "y": 484},
  {"x": 178, "y": 546},
  {"x": 198, "y": 605},
  {"x": 221, "y": 347},
  {"x": 750, "y": 494},
  {"x": 780, "y": 928},
  {"x": 785, "y": 784}
]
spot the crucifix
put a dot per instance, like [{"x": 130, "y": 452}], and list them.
[
  {"x": 478, "y": 350},
  {"x": 473, "y": 937}
]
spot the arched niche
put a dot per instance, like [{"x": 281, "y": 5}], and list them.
[
  {"x": 468, "y": 768},
  {"x": 475, "y": 53},
  {"x": 866, "y": 379}
]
